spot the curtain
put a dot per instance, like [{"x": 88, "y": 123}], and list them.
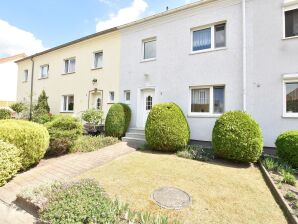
[
  {"x": 202, "y": 39},
  {"x": 200, "y": 99}
]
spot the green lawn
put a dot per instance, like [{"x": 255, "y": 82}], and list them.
[{"x": 221, "y": 192}]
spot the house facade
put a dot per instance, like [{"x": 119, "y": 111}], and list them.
[
  {"x": 215, "y": 56},
  {"x": 76, "y": 76}
]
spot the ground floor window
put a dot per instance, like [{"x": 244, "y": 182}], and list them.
[
  {"x": 67, "y": 103},
  {"x": 207, "y": 100},
  {"x": 127, "y": 96},
  {"x": 112, "y": 96},
  {"x": 291, "y": 98}
]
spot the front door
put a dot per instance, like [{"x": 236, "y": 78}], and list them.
[{"x": 148, "y": 101}]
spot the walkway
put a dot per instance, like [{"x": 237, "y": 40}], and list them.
[{"x": 61, "y": 168}]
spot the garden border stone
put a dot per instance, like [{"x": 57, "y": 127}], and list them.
[{"x": 278, "y": 196}]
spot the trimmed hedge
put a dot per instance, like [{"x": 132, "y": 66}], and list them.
[
  {"x": 117, "y": 120},
  {"x": 287, "y": 147},
  {"x": 64, "y": 131},
  {"x": 31, "y": 138},
  {"x": 10, "y": 161},
  {"x": 5, "y": 114},
  {"x": 167, "y": 128},
  {"x": 237, "y": 136}
]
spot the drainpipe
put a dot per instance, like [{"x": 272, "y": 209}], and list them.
[
  {"x": 244, "y": 66},
  {"x": 31, "y": 90}
]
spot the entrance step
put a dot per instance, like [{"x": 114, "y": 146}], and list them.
[{"x": 135, "y": 136}]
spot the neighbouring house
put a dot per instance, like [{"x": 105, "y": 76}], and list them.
[
  {"x": 209, "y": 57},
  {"x": 76, "y": 76},
  {"x": 8, "y": 79}
]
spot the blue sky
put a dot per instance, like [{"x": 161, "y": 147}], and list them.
[{"x": 44, "y": 24}]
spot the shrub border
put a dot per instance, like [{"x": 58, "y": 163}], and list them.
[{"x": 289, "y": 213}]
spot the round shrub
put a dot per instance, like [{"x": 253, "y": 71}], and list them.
[
  {"x": 10, "y": 161},
  {"x": 64, "y": 131},
  {"x": 31, "y": 138},
  {"x": 287, "y": 147},
  {"x": 237, "y": 136},
  {"x": 167, "y": 128},
  {"x": 5, "y": 114},
  {"x": 117, "y": 120}
]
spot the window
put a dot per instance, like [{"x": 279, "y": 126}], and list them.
[
  {"x": 149, "y": 49},
  {"x": 209, "y": 37},
  {"x": 68, "y": 103},
  {"x": 112, "y": 96},
  {"x": 148, "y": 102},
  {"x": 98, "y": 103},
  {"x": 44, "y": 71},
  {"x": 291, "y": 98},
  {"x": 70, "y": 65},
  {"x": 127, "y": 96},
  {"x": 207, "y": 100},
  {"x": 98, "y": 60},
  {"x": 26, "y": 75},
  {"x": 291, "y": 23}
]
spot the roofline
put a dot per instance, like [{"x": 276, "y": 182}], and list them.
[
  {"x": 168, "y": 12},
  {"x": 70, "y": 43}
]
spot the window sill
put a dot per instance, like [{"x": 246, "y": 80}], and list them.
[
  {"x": 110, "y": 102},
  {"x": 289, "y": 38},
  {"x": 43, "y": 78},
  {"x": 294, "y": 115},
  {"x": 207, "y": 50},
  {"x": 66, "y": 112},
  {"x": 204, "y": 115},
  {"x": 25, "y": 81},
  {"x": 68, "y": 73},
  {"x": 99, "y": 68},
  {"x": 147, "y": 60}
]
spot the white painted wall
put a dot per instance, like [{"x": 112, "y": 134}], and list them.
[
  {"x": 175, "y": 69},
  {"x": 8, "y": 81}
]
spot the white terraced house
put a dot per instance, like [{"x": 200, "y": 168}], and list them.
[{"x": 209, "y": 57}]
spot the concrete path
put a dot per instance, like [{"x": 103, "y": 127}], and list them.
[{"x": 61, "y": 168}]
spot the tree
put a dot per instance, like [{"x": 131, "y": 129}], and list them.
[{"x": 42, "y": 103}]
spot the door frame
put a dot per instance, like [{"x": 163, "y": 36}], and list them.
[{"x": 140, "y": 103}]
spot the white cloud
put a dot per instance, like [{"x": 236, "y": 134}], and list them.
[
  {"x": 124, "y": 15},
  {"x": 14, "y": 40}
]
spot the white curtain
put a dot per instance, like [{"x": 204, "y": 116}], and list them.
[{"x": 202, "y": 39}]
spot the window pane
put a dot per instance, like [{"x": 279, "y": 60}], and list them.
[
  {"x": 202, "y": 39},
  {"x": 219, "y": 99},
  {"x": 72, "y": 65},
  {"x": 292, "y": 97},
  {"x": 64, "y": 103},
  {"x": 148, "y": 102},
  {"x": 66, "y": 66},
  {"x": 70, "y": 103},
  {"x": 150, "y": 49},
  {"x": 127, "y": 95},
  {"x": 98, "y": 60},
  {"x": 26, "y": 75},
  {"x": 112, "y": 96},
  {"x": 200, "y": 100},
  {"x": 220, "y": 35},
  {"x": 291, "y": 19}
]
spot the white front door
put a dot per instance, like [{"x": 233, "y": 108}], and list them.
[{"x": 147, "y": 103}]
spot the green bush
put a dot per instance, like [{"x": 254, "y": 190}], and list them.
[
  {"x": 5, "y": 114},
  {"x": 92, "y": 116},
  {"x": 287, "y": 147},
  {"x": 167, "y": 128},
  {"x": 288, "y": 177},
  {"x": 18, "y": 107},
  {"x": 237, "y": 136},
  {"x": 92, "y": 143},
  {"x": 64, "y": 131},
  {"x": 10, "y": 161},
  {"x": 270, "y": 164},
  {"x": 31, "y": 138},
  {"x": 196, "y": 152},
  {"x": 117, "y": 120}
]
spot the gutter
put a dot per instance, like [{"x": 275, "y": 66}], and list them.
[
  {"x": 31, "y": 90},
  {"x": 244, "y": 63}
]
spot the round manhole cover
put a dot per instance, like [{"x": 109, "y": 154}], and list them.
[{"x": 171, "y": 198}]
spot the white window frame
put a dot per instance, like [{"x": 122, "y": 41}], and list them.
[
  {"x": 69, "y": 59},
  {"x": 93, "y": 60},
  {"x": 125, "y": 99},
  {"x": 25, "y": 75},
  {"x": 143, "y": 49},
  {"x": 62, "y": 103},
  {"x": 110, "y": 94},
  {"x": 284, "y": 10},
  {"x": 212, "y": 26},
  {"x": 211, "y": 102},
  {"x": 41, "y": 68},
  {"x": 290, "y": 78}
]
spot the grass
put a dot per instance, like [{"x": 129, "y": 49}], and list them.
[{"x": 221, "y": 193}]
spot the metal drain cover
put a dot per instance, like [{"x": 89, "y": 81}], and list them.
[{"x": 171, "y": 198}]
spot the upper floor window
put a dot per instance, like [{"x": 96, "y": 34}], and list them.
[
  {"x": 291, "y": 97},
  {"x": 149, "y": 49},
  {"x": 98, "y": 59},
  {"x": 26, "y": 75},
  {"x": 210, "y": 37},
  {"x": 207, "y": 100},
  {"x": 291, "y": 23},
  {"x": 70, "y": 65},
  {"x": 44, "y": 71}
]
